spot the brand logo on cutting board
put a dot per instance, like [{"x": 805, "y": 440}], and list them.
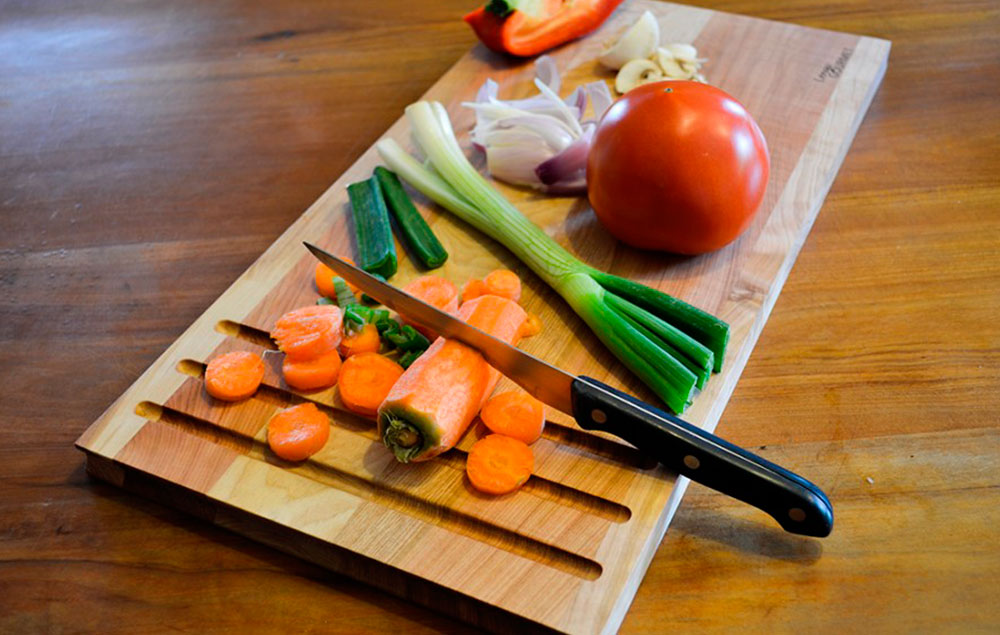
[{"x": 834, "y": 70}]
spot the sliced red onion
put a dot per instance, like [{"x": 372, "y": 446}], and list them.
[{"x": 542, "y": 141}]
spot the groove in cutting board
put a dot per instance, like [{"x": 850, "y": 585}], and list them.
[{"x": 394, "y": 498}]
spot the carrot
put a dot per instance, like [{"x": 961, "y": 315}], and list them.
[
  {"x": 436, "y": 291},
  {"x": 309, "y": 332},
  {"x": 473, "y": 289},
  {"x": 503, "y": 283},
  {"x": 532, "y": 326},
  {"x": 234, "y": 376},
  {"x": 324, "y": 280},
  {"x": 514, "y": 414},
  {"x": 365, "y": 380},
  {"x": 439, "y": 395},
  {"x": 499, "y": 464},
  {"x": 311, "y": 374},
  {"x": 365, "y": 340},
  {"x": 298, "y": 432}
]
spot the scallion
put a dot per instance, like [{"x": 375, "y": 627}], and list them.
[{"x": 665, "y": 341}]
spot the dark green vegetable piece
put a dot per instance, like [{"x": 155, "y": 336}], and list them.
[
  {"x": 409, "y": 357},
  {"x": 416, "y": 233},
  {"x": 408, "y": 339},
  {"x": 376, "y": 249}
]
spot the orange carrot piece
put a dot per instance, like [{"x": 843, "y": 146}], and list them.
[
  {"x": 311, "y": 374},
  {"x": 309, "y": 332},
  {"x": 515, "y": 414},
  {"x": 503, "y": 283},
  {"x": 499, "y": 464},
  {"x": 436, "y": 291},
  {"x": 234, "y": 376},
  {"x": 532, "y": 326},
  {"x": 366, "y": 340},
  {"x": 473, "y": 289},
  {"x": 298, "y": 432},
  {"x": 439, "y": 395},
  {"x": 324, "y": 280},
  {"x": 365, "y": 380}
]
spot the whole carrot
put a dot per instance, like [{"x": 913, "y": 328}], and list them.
[{"x": 439, "y": 395}]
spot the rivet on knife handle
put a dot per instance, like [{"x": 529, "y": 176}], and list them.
[{"x": 799, "y": 506}]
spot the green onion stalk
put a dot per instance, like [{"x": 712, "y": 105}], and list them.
[{"x": 670, "y": 345}]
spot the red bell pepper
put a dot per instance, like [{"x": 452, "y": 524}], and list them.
[{"x": 530, "y": 27}]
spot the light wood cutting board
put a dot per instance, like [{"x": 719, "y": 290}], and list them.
[{"x": 568, "y": 551}]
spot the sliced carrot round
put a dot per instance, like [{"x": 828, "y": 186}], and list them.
[
  {"x": 515, "y": 414},
  {"x": 309, "y": 332},
  {"x": 531, "y": 326},
  {"x": 365, "y": 380},
  {"x": 473, "y": 289},
  {"x": 324, "y": 280},
  {"x": 503, "y": 283},
  {"x": 298, "y": 432},
  {"x": 436, "y": 291},
  {"x": 366, "y": 340},
  {"x": 234, "y": 376},
  {"x": 499, "y": 464},
  {"x": 312, "y": 374}
]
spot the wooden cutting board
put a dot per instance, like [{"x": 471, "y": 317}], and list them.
[{"x": 567, "y": 551}]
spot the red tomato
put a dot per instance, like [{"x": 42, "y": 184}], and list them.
[{"x": 678, "y": 166}]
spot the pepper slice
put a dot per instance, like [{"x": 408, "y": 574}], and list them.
[{"x": 529, "y": 27}]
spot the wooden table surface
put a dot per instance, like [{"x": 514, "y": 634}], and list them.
[{"x": 149, "y": 151}]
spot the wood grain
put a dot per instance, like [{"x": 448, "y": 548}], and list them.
[{"x": 882, "y": 345}]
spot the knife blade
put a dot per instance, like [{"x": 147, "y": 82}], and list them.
[{"x": 796, "y": 504}]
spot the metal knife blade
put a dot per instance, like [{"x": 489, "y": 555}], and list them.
[{"x": 542, "y": 380}]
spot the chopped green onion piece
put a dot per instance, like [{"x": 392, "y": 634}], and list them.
[
  {"x": 409, "y": 357},
  {"x": 376, "y": 249},
  {"x": 416, "y": 233},
  {"x": 325, "y": 300},
  {"x": 345, "y": 296}
]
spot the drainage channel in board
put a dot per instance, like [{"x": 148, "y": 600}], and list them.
[
  {"x": 385, "y": 495},
  {"x": 556, "y": 432},
  {"x": 537, "y": 486}
]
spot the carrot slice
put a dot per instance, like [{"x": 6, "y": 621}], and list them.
[
  {"x": 312, "y": 374},
  {"x": 366, "y": 340},
  {"x": 473, "y": 289},
  {"x": 309, "y": 332},
  {"x": 234, "y": 376},
  {"x": 324, "y": 280},
  {"x": 532, "y": 326},
  {"x": 439, "y": 395},
  {"x": 436, "y": 291},
  {"x": 503, "y": 283},
  {"x": 365, "y": 380},
  {"x": 298, "y": 432},
  {"x": 499, "y": 464},
  {"x": 515, "y": 414}
]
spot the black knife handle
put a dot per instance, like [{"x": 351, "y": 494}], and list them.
[{"x": 799, "y": 506}]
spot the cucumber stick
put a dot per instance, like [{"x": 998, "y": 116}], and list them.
[
  {"x": 416, "y": 233},
  {"x": 376, "y": 249}
]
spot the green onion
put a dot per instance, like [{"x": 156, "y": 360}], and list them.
[
  {"x": 345, "y": 296},
  {"x": 325, "y": 300},
  {"x": 415, "y": 231},
  {"x": 409, "y": 357},
  {"x": 376, "y": 249},
  {"x": 666, "y": 342}
]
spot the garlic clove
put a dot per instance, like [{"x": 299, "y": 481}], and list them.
[
  {"x": 638, "y": 41},
  {"x": 636, "y": 73}
]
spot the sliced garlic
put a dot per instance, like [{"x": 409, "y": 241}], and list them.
[
  {"x": 638, "y": 42},
  {"x": 636, "y": 73},
  {"x": 670, "y": 66},
  {"x": 683, "y": 52}
]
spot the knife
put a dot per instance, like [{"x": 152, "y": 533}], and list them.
[{"x": 796, "y": 504}]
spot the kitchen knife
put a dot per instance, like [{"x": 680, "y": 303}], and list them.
[{"x": 799, "y": 506}]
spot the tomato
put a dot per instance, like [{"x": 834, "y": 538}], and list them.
[{"x": 677, "y": 166}]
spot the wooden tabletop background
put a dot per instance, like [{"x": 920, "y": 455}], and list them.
[{"x": 150, "y": 151}]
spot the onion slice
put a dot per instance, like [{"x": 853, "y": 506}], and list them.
[{"x": 541, "y": 141}]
